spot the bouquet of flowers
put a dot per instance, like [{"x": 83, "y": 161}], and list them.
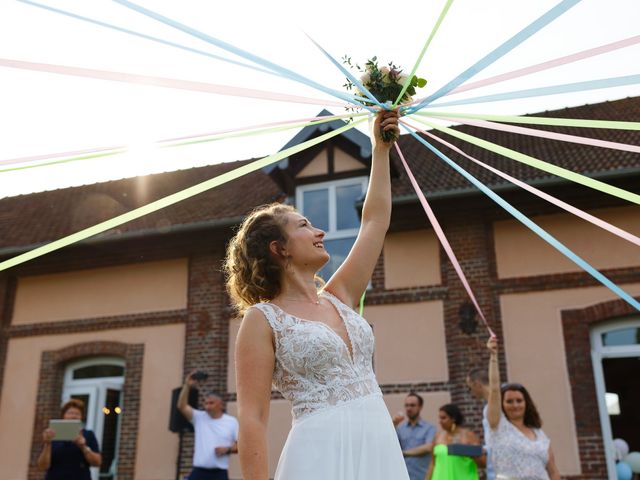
[{"x": 384, "y": 83}]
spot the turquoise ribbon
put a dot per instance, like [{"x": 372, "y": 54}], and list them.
[
  {"x": 238, "y": 51},
  {"x": 547, "y": 237},
  {"x": 350, "y": 76},
  {"x": 500, "y": 51},
  {"x": 550, "y": 90},
  {"x": 142, "y": 35}
]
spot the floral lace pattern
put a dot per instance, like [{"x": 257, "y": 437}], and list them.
[
  {"x": 314, "y": 368},
  {"x": 516, "y": 456}
]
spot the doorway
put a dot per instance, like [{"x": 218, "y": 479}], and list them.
[
  {"x": 98, "y": 382},
  {"x": 615, "y": 348}
]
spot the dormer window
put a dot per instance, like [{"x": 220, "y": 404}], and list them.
[{"x": 331, "y": 206}]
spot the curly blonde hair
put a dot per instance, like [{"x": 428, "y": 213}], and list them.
[{"x": 252, "y": 273}]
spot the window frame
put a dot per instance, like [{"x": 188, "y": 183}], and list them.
[{"x": 332, "y": 232}]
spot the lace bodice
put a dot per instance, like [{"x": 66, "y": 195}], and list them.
[{"x": 314, "y": 369}]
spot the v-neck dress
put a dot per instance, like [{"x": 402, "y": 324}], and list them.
[
  {"x": 515, "y": 456},
  {"x": 341, "y": 428}
]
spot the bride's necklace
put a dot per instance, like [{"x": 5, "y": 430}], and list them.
[{"x": 313, "y": 302}]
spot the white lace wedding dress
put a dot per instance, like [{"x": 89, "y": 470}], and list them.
[{"x": 341, "y": 429}]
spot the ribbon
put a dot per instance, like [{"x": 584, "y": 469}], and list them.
[
  {"x": 174, "y": 142},
  {"x": 574, "y": 57},
  {"x": 361, "y": 305},
  {"x": 529, "y": 223},
  {"x": 237, "y": 51},
  {"x": 550, "y": 90},
  {"x": 539, "y": 164},
  {"x": 500, "y": 51},
  {"x": 170, "y": 199},
  {"x": 349, "y": 75},
  {"x": 558, "y": 122},
  {"x": 435, "y": 29},
  {"x": 146, "y": 37},
  {"x": 164, "y": 82},
  {"x": 555, "y": 201},
  {"x": 443, "y": 239},
  {"x": 563, "y": 137}
]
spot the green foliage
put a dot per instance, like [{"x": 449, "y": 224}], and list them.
[{"x": 384, "y": 83}]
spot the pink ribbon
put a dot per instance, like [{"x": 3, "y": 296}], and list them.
[
  {"x": 165, "y": 82},
  {"x": 563, "y": 137},
  {"x": 47, "y": 156},
  {"x": 592, "y": 52},
  {"x": 565, "y": 206},
  {"x": 443, "y": 239}
]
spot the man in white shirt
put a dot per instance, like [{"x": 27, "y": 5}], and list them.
[{"x": 215, "y": 434}]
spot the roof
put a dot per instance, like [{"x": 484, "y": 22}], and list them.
[
  {"x": 434, "y": 176},
  {"x": 42, "y": 217},
  {"x": 45, "y": 216}
]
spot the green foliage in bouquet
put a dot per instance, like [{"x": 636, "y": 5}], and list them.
[{"x": 384, "y": 83}]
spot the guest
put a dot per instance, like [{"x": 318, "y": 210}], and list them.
[
  {"x": 519, "y": 447},
  {"x": 445, "y": 466},
  {"x": 215, "y": 434},
  {"x": 478, "y": 383},
  {"x": 66, "y": 459},
  {"x": 415, "y": 436}
]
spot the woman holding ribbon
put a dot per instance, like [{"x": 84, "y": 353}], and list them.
[{"x": 519, "y": 447}]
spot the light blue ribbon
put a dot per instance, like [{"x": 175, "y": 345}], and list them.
[
  {"x": 550, "y": 90},
  {"x": 238, "y": 51},
  {"x": 500, "y": 51},
  {"x": 349, "y": 75},
  {"x": 531, "y": 225},
  {"x": 146, "y": 37}
]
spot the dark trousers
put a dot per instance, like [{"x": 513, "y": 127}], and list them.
[{"x": 208, "y": 474}]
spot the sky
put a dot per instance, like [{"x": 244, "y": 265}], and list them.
[{"x": 44, "y": 113}]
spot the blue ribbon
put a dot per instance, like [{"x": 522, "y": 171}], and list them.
[
  {"x": 551, "y": 90},
  {"x": 547, "y": 237},
  {"x": 238, "y": 51},
  {"x": 142, "y": 35},
  {"x": 349, "y": 75},
  {"x": 500, "y": 51}
]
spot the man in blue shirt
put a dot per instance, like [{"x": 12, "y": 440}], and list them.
[{"x": 416, "y": 437}]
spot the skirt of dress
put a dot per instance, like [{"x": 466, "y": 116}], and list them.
[{"x": 352, "y": 441}]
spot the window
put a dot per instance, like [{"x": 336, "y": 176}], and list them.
[{"x": 331, "y": 207}]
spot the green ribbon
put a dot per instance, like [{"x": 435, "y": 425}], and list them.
[
  {"x": 559, "y": 122},
  {"x": 424, "y": 50},
  {"x": 539, "y": 164},
  {"x": 170, "y": 199},
  {"x": 361, "y": 308},
  {"x": 183, "y": 142}
]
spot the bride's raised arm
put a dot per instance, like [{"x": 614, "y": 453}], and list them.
[{"x": 352, "y": 278}]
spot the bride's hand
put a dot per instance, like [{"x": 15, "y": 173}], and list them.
[{"x": 386, "y": 121}]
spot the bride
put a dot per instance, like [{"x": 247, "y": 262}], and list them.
[{"x": 311, "y": 344}]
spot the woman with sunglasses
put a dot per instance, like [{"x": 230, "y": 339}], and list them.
[{"x": 520, "y": 449}]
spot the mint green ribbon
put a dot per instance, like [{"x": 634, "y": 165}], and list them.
[{"x": 170, "y": 199}]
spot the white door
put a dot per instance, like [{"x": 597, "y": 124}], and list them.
[
  {"x": 98, "y": 382},
  {"x": 615, "y": 354}
]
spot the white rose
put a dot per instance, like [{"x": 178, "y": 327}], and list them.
[{"x": 385, "y": 74}]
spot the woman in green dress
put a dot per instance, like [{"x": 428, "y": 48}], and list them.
[{"x": 453, "y": 467}]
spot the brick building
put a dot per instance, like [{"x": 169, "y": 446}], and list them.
[{"x": 118, "y": 319}]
